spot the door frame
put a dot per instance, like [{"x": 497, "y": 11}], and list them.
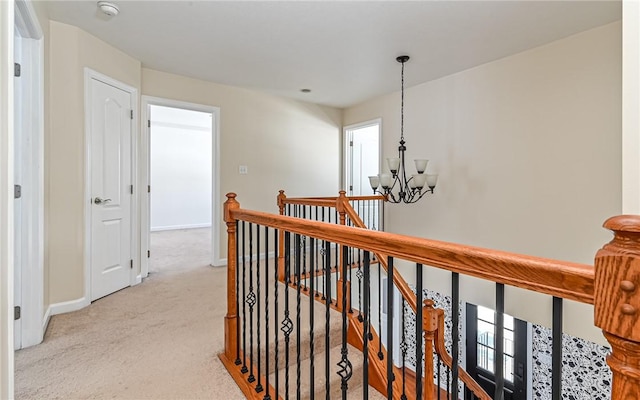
[
  {"x": 345, "y": 146},
  {"x": 90, "y": 74},
  {"x": 6, "y": 199},
  {"x": 31, "y": 289},
  {"x": 145, "y": 177}
]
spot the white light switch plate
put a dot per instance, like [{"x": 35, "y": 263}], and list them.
[{"x": 243, "y": 169}]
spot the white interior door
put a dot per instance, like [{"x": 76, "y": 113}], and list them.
[
  {"x": 111, "y": 188},
  {"x": 362, "y": 157}
]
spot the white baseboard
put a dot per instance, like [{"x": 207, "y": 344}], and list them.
[
  {"x": 176, "y": 227},
  {"x": 68, "y": 306},
  {"x": 45, "y": 320},
  {"x": 221, "y": 262}
]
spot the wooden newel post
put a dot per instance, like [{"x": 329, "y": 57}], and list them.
[
  {"x": 281, "y": 198},
  {"x": 281, "y": 206},
  {"x": 231, "y": 319},
  {"x": 430, "y": 327},
  {"x": 617, "y": 303}
]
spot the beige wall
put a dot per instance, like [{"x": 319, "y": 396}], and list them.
[
  {"x": 286, "y": 144},
  {"x": 70, "y": 51},
  {"x": 528, "y": 149}
]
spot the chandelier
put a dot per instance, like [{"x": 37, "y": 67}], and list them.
[{"x": 395, "y": 185}]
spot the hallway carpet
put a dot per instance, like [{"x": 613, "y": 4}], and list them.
[{"x": 156, "y": 340}]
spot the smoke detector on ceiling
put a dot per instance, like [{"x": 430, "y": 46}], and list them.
[{"x": 109, "y": 9}]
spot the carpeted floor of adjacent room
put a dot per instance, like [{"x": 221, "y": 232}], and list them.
[{"x": 157, "y": 340}]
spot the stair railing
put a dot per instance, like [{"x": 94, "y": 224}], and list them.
[
  {"x": 352, "y": 211},
  {"x": 610, "y": 286}
]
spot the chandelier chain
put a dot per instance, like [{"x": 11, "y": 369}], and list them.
[{"x": 402, "y": 105}]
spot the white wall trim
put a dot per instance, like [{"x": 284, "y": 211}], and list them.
[
  {"x": 176, "y": 227},
  {"x": 28, "y": 24},
  {"x": 68, "y": 306},
  {"x": 144, "y": 178},
  {"x": 135, "y": 244},
  {"x": 630, "y": 106},
  {"x": 31, "y": 291},
  {"x": 6, "y": 199}
]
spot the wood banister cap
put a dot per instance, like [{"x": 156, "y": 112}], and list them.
[
  {"x": 623, "y": 223},
  {"x": 626, "y": 235},
  {"x": 429, "y": 303},
  {"x": 230, "y": 204}
]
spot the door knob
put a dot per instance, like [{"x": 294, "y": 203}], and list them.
[{"x": 98, "y": 200}]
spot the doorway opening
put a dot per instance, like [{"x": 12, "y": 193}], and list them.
[
  {"x": 180, "y": 143},
  {"x": 362, "y": 157},
  {"x": 180, "y": 217},
  {"x": 362, "y": 160}
]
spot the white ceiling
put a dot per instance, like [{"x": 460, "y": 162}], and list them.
[{"x": 344, "y": 51}]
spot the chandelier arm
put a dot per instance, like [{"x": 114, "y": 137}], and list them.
[{"x": 422, "y": 193}]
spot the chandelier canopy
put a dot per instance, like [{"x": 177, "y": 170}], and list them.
[{"x": 395, "y": 184}]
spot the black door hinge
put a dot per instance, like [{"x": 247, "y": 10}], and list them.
[
  {"x": 131, "y": 114},
  {"x": 131, "y": 188},
  {"x": 131, "y": 264},
  {"x": 148, "y": 253},
  {"x": 148, "y": 188},
  {"x": 16, "y": 313},
  {"x": 148, "y": 123},
  {"x": 17, "y": 191},
  {"x": 17, "y": 69}
]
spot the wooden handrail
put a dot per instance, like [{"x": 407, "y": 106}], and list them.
[
  {"x": 611, "y": 285},
  {"x": 556, "y": 278}
]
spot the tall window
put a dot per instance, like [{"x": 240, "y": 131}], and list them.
[{"x": 482, "y": 354}]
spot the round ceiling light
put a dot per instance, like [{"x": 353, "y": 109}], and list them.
[
  {"x": 109, "y": 9},
  {"x": 305, "y": 90}
]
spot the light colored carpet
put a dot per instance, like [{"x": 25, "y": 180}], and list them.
[{"x": 157, "y": 340}]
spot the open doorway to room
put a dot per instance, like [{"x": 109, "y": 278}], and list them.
[{"x": 181, "y": 202}]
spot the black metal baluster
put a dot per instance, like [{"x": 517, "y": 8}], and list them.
[
  {"x": 359, "y": 275},
  {"x": 337, "y": 263},
  {"x": 287, "y": 324},
  {"x": 419, "y": 328},
  {"x": 317, "y": 263},
  {"x": 390, "y": 376},
  {"x": 327, "y": 257},
  {"x": 438, "y": 378},
  {"x": 259, "y": 387},
  {"x": 238, "y": 360},
  {"x": 499, "y": 343},
  {"x": 267, "y": 396},
  {"x": 380, "y": 353},
  {"x": 324, "y": 263},
  {"x": 346, "y": 369},
  {"x": 366, "y": 328},
  {"x": 297, "y": 243},
  {"x": 448, "y": 381},
  {"x": 403, "y": 349},
  {"x": 303, "y": 249},
  {"x": 455, "y": 331},
  {"x": 312, "y": 243},
  {"x": 556, "y": 350},
  {"x": 275, "y": 314},
  {"x": 251, "y": 301},
  {"x": 244, "y": 368}
]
